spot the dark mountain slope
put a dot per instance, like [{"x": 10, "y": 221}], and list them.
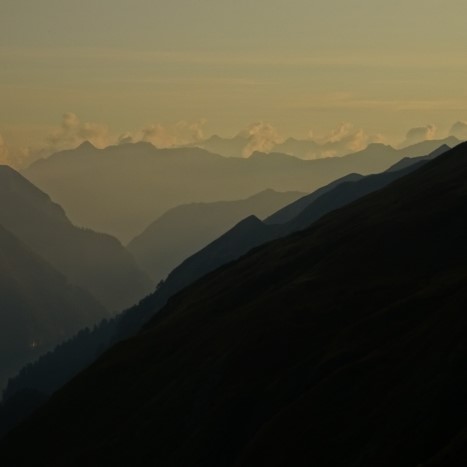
[
  {"x": 184, "y": 230},
  {"x": 38, "y": 307},
  {"x": 408, "y": 161},
  {"x": 249, "y": 233},
  {"x": 252, "y": 232},
  {"x": 287, "y": 213},
  {"x": 343, "y": 194},
  {"x": 340, "y": 345},
  {"x": 93, "y": 261}
]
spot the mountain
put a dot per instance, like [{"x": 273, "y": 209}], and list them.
[
  {"x": 241, "y": 144},
  {"x": 183, "y": 230},
  {"x": 408, "y": 161},
  {"x": 247, "y": 234},
  {"x": 93, "y": 261},
  {"x": 227, "y": 147},
  {"x": 252, "y": 232},
  {"x": 122, "y": 189},
  {"x": 343, "y": 344},
  {"x": 428, "y": 146},
  {"x": 305, "y": 149},
  {"x": 38, "y": 306},
  {"x": 287, "y": 213}
]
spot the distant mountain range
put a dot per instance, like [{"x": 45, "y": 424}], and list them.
[
  {"x": 122, "y": 189},
  {"x": 342, "y": 344},
  {"x": 95, "y": 262},
  {"x": 50, "y": 372},
  {"x": 301, "y": 148},
  {"x": 183, "y": 230}
]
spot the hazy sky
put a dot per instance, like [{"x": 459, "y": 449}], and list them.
[{"x": 218, "y": 65}]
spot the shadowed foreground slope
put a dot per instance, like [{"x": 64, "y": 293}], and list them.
[
  {"x": 53, "y": 370},
  {"x": 340, "y": 345}
]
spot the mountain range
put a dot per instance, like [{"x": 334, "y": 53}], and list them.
[
  {"x": 93, "y": 261},
  {"x": 56, "y": 368},
  {"x": 121, "y": 189},
  {"x": 342, "y": 344},
  {"x": 184, "y": 230},
  {"x": 243, "y": 144}
]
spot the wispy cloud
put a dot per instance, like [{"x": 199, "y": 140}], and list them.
[
  {"x": 419, "y": 134},
  {"x": 73, "y": 132},
  {"x": 261, "y": 137},
  {"x": 14, "y": 156},
  {"x": 459, "y": 130},
  {"x": 168, "y": 135}
]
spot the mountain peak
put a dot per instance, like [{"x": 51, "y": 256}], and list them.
[{"x": 86, "y": 145}]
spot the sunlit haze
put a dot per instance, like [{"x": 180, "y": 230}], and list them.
[{"x": 176, "y": 72}]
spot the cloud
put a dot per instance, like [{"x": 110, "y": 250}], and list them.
[
  {"x": 125, "y": 138},
  {"x": 419, "y": 134},
  {"x": 261, "y": 137},
  {"x": 167, "y": 136},
  {"x": 344, "y": 139},
  {"x": 459, "y": 130},
  {"x": 16, "y": 157},
  {"x": 73, "y": 132}
]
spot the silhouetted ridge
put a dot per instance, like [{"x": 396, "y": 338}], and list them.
[
  {"x": 142, "y": 182},
  {"x": 292, "y": 210},
  {"x": 343, "y": 344},
  {"x": 408, "y": 161},
  {"x": 96, "y": 262},
  {"x": 230, "y": 246},
  {"x": 86, "y": 146},
  {"x": 184, "y": 230}
]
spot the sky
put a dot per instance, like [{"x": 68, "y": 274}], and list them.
[{"x": 185, "y": 69}]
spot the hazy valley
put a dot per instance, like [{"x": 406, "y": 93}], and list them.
[
  {"x": 78, "y": 267},
  {"x": 281, "y": 331}
]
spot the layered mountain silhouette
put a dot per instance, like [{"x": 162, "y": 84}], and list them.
[
  {"x": 240, "y": 144},
  {"x": 252, "y": 232},
  {"x": 122, "y": 189},
  {"x": 184, "y": 230},
  {"x": 343, "y": 344},
  {"x": 249, "y": 233},
  {"x": 287, "y": 213},
  {"x": 38, "y": 306},
  {"x": 90, "y": 260}
]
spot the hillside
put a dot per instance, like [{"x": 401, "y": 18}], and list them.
[
  {"x": 247, "y": 234},
  {"x": 39, "y": 307},
  {"x": 182, "y": 231},
  {"x": 93, "y": 261},
  {"x": 343, "y": 344}
]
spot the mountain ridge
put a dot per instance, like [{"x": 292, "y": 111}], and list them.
[
  {"x": 185, "y": 229},
  {"x": 143, "y": 182},
  {"x": 94, "y": 261},
  {"x": 339, "y": 345}
]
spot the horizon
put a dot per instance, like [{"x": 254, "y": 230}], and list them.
[{"x": 177, "y": 72}]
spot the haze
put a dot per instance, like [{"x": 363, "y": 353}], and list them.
[{"x": 189, "y": 69}]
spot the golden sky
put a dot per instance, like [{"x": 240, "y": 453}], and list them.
[{"x": 194, "y": 68}]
